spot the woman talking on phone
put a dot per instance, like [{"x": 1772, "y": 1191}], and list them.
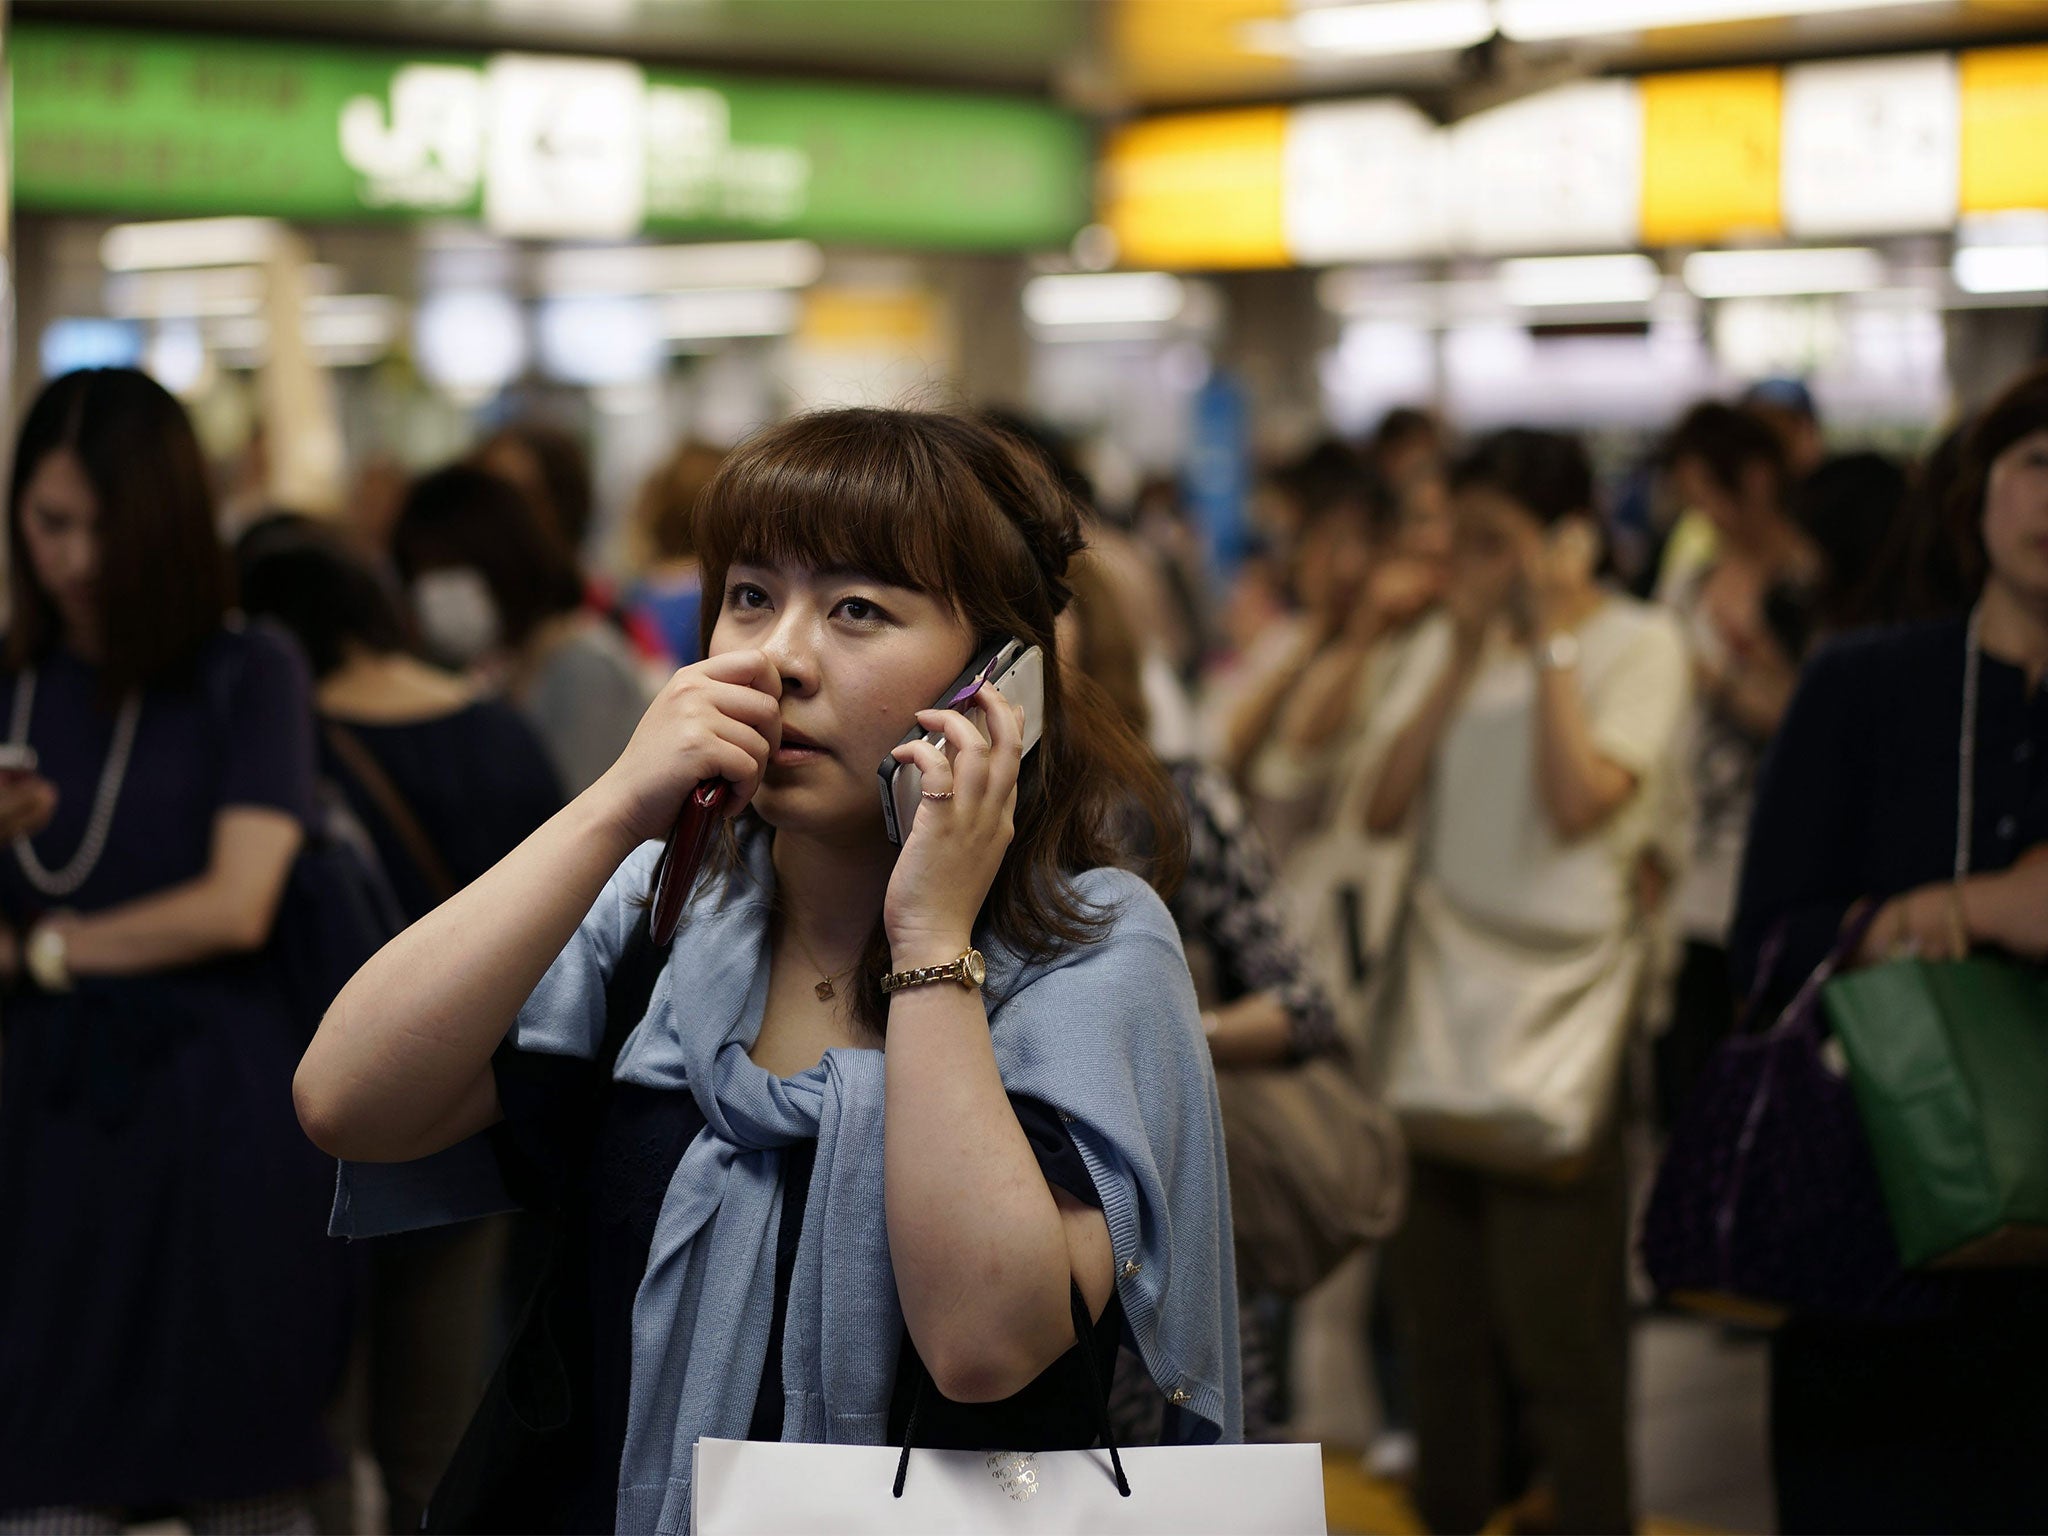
[
  {"x": 1536, "y": 721},
  {"x": 1013, "y": 1011}
]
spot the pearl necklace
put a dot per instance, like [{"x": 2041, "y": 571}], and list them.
[{"x": 65, "y": 882}]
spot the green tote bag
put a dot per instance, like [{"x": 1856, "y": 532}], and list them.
[{"x": 1949, "y": 1062}]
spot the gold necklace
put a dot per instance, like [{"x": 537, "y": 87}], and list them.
[{"x": 824, "y": 989}]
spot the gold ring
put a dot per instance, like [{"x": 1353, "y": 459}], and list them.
[{"x": 933, "y": 794}]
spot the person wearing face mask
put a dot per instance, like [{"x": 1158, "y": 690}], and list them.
[
  {"x": 1911, "y": 773},
  {"x": 1531, "y": 732},
  {"x": 865, "y": 1071},
  {"x": 494, "y": 594},
  {"x": 172, "y": 1322}
]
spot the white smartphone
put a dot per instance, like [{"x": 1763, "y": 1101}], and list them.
[{"x": 1014, "y": 667}]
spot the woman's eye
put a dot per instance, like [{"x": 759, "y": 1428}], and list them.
[
  {"x": 745, "y": 597},
  {"x": 860, "y": 611}
]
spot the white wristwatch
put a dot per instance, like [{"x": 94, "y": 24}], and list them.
[
  {"x": 47, "y": 958},
  {"x": 1560, "y": 653}
]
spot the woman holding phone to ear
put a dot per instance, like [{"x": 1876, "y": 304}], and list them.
[
  {"x": 1050, "y": 1112},
  {"x": 1542, "y": 716}
]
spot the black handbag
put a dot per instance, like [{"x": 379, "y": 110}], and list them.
[{"x": 527, "y": 1449}]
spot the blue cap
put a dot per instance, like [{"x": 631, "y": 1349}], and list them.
[{"x": 1781, "y": 395}]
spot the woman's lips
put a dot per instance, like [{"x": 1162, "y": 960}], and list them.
[{"x": 795, "y": 749}]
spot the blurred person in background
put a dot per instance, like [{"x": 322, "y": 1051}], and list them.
[
  {"x": 1262, "y": 604},
  {"x": 1528, "y": 774},
  {"x": 1927, "y": 569},
  {"x": 172, "y": 1319},
  {"x": 1264, "y": 1007},
  {"x": 1134, "y": 566},
  {"x": 495, "y": 595},
  {"x": 1407, "y": 453},
  {"x": 548, "y": 464},
  {"x": 668, "y": 597},
  {"x": 465, "y": 771},
  {"x": 1160, "y": 521},
  {"x": 1367, "y": 571},
  {"x": 447, "y": 781},
  {"x": 1746, "y": 615},
  {"x": 1936, "y": 1425},
  {"x": 1786, "y": 407},
  {"x": 1850, "y": 508}
]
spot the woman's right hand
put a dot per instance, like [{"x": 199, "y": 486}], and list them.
[
  {"x": 718, "y": 719},
  {"x": 27, "y": 802}
]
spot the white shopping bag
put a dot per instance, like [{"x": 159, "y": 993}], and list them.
[{"x": 767, "y": 1488}]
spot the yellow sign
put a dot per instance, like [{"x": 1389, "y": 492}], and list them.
[
  {"x": 1195, "y": 191},
  {"x": 1710, "y": 155},
  {"x": 2005, "y": 129},
  {"x": 1183, "y": 50}
]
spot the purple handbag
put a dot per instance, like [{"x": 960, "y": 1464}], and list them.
[{"x": 1767, "y": 1202}]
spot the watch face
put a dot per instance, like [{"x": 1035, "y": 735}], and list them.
[{"x": 977, "y": 968}]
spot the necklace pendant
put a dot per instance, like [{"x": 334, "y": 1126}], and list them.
[{"x": 824, "y": 991}]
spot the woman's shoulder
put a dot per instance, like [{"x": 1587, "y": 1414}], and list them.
[
  {"x": 1132, "y": 911},
  {"x": 1901, "y": 658},
  {"x": 259, "y": 653}
]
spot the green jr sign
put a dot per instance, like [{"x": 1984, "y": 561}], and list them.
[{"x": 142, "y": 125}]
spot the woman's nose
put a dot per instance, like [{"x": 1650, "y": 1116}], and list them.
[{"x": 794, "y": 657}]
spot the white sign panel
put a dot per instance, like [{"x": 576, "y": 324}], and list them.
[
  {"x": 1364, "y": 180},
  {"x": 1559, "y": 171},
  {"x": 567, "y": 148},
  {"x": 1871, "y": 147}
]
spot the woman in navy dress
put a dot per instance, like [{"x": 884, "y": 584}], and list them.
[
  {"x": 1935, "y": 1425},
  {"x": 171, "y": 1320}
]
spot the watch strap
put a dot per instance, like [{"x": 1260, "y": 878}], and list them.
[{"x": 963, "y": 970}]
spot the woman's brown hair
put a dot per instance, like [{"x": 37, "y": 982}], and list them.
[
  {"x": 164, "y": 580},
  {"x": 957, "y": 509},
  {"x": 2020, "y": 410}
]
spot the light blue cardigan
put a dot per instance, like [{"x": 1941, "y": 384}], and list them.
[{"x": 1108, "y": 1034}]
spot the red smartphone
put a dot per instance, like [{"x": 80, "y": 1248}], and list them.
[{"x": 683, "y": 856}]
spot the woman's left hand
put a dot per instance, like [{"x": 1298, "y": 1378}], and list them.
[
  {"x": 963, "y": 829},
  {"x": 1923, "y": 924}
]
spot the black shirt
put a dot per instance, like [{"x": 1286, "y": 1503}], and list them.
[
  {"x": 1858, "y": 793},
  {"x": 641, "y": 1135}
]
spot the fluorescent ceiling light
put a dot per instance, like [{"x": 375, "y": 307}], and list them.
[
  {"x": 713, "y": 314},
  {"x": 201, "y": 292},
  {"x": 189, "y": 243},
  {"x": 2002, "y": 269},
  {"x": 1383, "y": 29},
  {"x": 1761, "y": 274},
  {"x": 753, "y": 264},
  {"x": 1540, "y": 281},
  {"x": 1104, "y": 298},
  {"x": 1531, "y": 21}
]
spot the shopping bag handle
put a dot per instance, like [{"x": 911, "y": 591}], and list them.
[
  {"x": 1804, "y": 1008},
  {"x": 1098, "y": 1399}
]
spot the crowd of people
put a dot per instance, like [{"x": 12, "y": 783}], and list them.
[{"x": 1483, "y": 776}]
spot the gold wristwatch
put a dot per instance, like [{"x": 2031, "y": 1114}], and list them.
[{"x": 970, "y": 970}]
